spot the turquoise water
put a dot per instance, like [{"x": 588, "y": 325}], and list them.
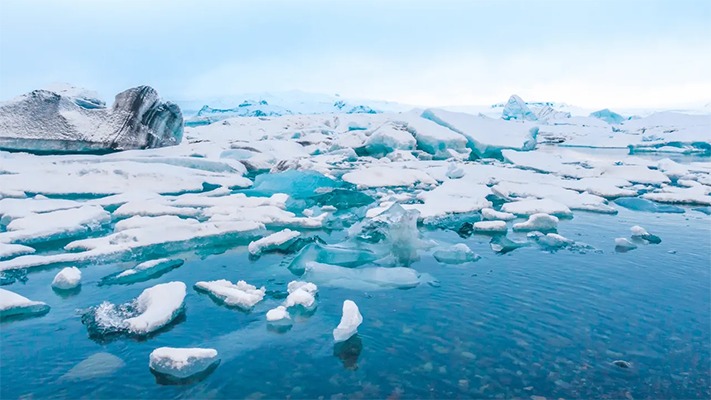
[{"x": 516, "y": 325}]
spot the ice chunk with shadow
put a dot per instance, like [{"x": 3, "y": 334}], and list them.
[
  {"x": 503, "y": 245},
  {"x": 456, "y": 254},
  {"x": 15, "y": 306},
  {"x": 623, "y": 245},
  {"x": 95, "y": 366},
  {"x": 490, "y": 227},
  {"x": 142, "y": 272},
  {"x": 154, "y": 309},
  {"x": 68, "y": 278},
  {"x": 640, "y": 204},
  {"x": 349, "y": 351},
  {"x": 298, "y": 184},
  {"x": 173, "y": 365},
  {"x": 641, "y": 234},
  {"x": 240, "y": 295},
  {"x": 538, "y": 222},
  {"x": 279, "y": 241},
  {"x": 351, "y": 319},
  {"x": 368, "y": 278},
  {"x": 301, "y": 295},
  {"x": 279, "y": 320}
]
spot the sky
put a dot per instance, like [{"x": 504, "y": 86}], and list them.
[{"x": 590, "y": 53}]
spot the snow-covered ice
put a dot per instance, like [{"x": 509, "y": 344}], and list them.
[
  {"x": 276, "y": 241},
  {"x": 350, "y": 321},
  {"x": 157, "y": 307},
  {"x": 538, "y": 222},
  {"x": 240, "y": 294},
  {"x": 490, "y": 226},
  {"x": 278, "y": 316},
  {"x": 182, "y": 363},
  {"x": 491, "y": 214},
  {"x": 13, "y": 304},
  {"x": 143, "y": 271},
  {"x": 66, "y": 279}
]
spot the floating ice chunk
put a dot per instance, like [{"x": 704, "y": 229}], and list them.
[
  {"x": 55, "y": 225},
  {"x": 182, "y": 363},
  {"x": 530, "y": 207},
  {"x": 241, "y": 294},
  {"x": 157, "y": 307},
  {"x": 640, "y": 204},
  {"x": 13, "y": 304},
  {"x": 369, "y": 278},
  {"x": 386, "y": 176},
  {"x": 279, "y": 316},
  {"x": 550, "y": 241},
  {"x": 14, "y": 250},
  {"x": 95, "y": 366},
  {"x": 502, "y": 245},
  {"x": 278, "y": 241},
  {"x": 491, "y": 214},
  {"x": 640, "y": 233},
  {"x": 456, "y": 254},
  {"x": 331, "y": 254},
  {"x": 538, "y": 222},
  {"x": 697, "y": 195},
  {"x": 490, "y": 226},
  {"x": 623, "y": 244},
  {"x": 67, "y": 279},
  {"x": 301, "y": 297},
  {"x": 435, "y": 139},
  {"x": 350, "y": 321},
  {"x": 143, "y": 271}
]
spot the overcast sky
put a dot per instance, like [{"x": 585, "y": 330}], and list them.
[{"x": 590, "y": 53}]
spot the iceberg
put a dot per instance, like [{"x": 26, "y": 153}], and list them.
[
  {"x": 182, "y": 363},
  {"x": 67, "y": 279},
  {"x": 142, "y": 272},
  {"x": 516, "y": 109},
  {"x": 43, "y": 121},
  {"x": 608, "y": 116},
  {"x": 15, "y": 305},
  {"x": 241, "y": 295},
  {"x": 350, "y": 321},
  {"x": 538, "y": 222},
  {"x": 456, "y": 254},
  {"x": 279, "y": 241}
]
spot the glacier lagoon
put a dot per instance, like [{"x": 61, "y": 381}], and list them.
[{"x": 526, "y": 323}]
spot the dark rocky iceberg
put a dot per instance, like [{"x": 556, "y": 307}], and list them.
[{"x": 44, "y": 121}]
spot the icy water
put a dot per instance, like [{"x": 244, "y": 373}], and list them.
[{"x": 528, "y": 323}]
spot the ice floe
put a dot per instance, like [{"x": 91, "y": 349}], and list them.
[
  {"x": 15, "y": 305},
  {"x": 490, "y": 226},
  {"x": 538, "y": 222},
  {"x": 278, "y": 241},
  {"x": 66, "y": 279},
  {"x": 350, "y": 321},
  {"x": 143, "y": 271},
  {"x": 241, "y": 294},
  {"x": 182, "y": 363},
  {"x": 157, "y": 306}
]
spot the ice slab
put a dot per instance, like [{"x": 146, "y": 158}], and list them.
[
  {"x": 696, "y": 195},
  {"x": 351, "y": 319},
  {"x": 452, "y": 196},
  {"x": 388, "y": 138},
  {"x": 490, "y": 226},
  {"x": 11, "y": 208},
  {"x": 387, "y": 176},
  {"x": 152, "y": 209},
  {"x": 15, "y": 305},
  {"x": 55, "y": 225},
  {"x": 641, "y": 204},
  {"x": 14, "y": 250},
  {"x": 182, "y": 363},
  {"x": 241, "y": 294},
  {"x": 142, "y": 272},
  {"x": 278, "y": 241},
  {"x": 68, "y": 278},
  {"x": 538, "y": 222},
  {"x": 364, "y": 278},
  {"x": 456, "y": 254},
  {"x": 157, "y": 307},
  {"x": 530, "y": 207},
  {"x": 491, "y": 214}
]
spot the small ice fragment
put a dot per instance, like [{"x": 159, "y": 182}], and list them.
[
  {"x": 538, "y": 222},
  {"x": 490, "y": 226},
  {"x": 68, "y": 278},
  {"x": 278, "y": 316},
  {"x": 158, "y": 306},
  {"x": 350, "y": 320},
  {"x": 622, "y": 364},
  {"x": 550, "y": 241},
  {"x": 456, "y": 254},
  {"x": 640, "y": 233},
  {"x": 276, "y": 241},
  {"x": 301, "y": 293},
  {"x": 182, "y": 363},
  {"x": 622, "y": 245},
  {"x": 491, "y": 214},
  {"x": 13, "y": 304},
  {"x": 241, "y": 294}
]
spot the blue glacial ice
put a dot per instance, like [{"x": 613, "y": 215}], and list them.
[
  {"x": 456, "y": 254},
  {"x": 640, "y": 204},
  {"x": 516, "y": 109},
  {"x": 142, "y": 272}
]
